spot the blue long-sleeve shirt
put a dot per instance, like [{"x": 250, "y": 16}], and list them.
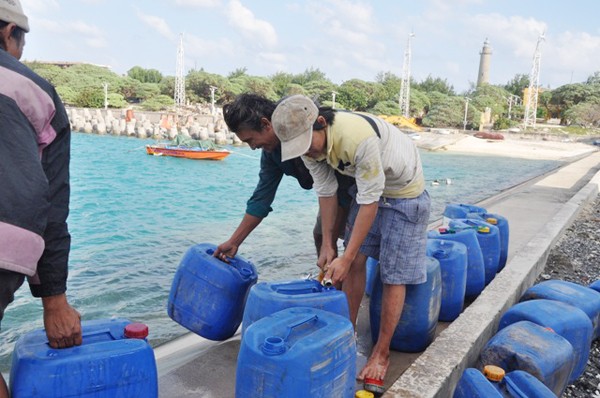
[{"x": 272, "y": 170}]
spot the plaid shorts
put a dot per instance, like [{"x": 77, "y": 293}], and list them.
[
  {"x": 10, "y": 282},
  {"x": 397, "y": 238}
]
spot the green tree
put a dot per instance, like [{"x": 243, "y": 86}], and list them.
[
  {"x": 391, "y": 85},
  {"x": 355, "y": 94},
  {"x": 450, "y": 113},
  {"x": 322, "y": 90},
  {"x": 90, "y": 97},
  {"x": 130, "y": 88},
  {"x": 294, "y": 88},
  {"x": 199, "y": 83},
  {"x": 116, "y": 100},
  {"x": 438, "y": 84},
  {"x": 517, "y": 84},
  {"x": 239, "y": 72},
  {"x": 281, "y": 82},
  {"x": 167, "y": 86},
  {"x": 594, "y": 78},
  {"x": 67, "y": 94},
  {"x": 145, "y": 75},
  {"x": 419, "y": 103},
  {"x": 386, "y": 108},
  {"x": 309, "y": 75},
  {"x": 586, "y": 114},
  {"x": 493, "y": 97},
  {"x": 158, "y": 103}
]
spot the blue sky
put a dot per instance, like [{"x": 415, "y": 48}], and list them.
[{"x": 344, "y": 39}]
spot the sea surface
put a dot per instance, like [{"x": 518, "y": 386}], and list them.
[{"x": 133, "y": 216}]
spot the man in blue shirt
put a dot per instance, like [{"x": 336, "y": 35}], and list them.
[{"x": 249, "y": 117}]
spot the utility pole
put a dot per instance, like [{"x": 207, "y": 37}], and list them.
[
  {"x": 534, "y": 86},
  {"x": 466, "y": 110},
  {"x": 105, "y": 85},
  {"x": 179, "y": 76},
  {"x": 405, "y": 84},
  {"x": 333, "y": 94},
  {"x": 212, "y": 99}
]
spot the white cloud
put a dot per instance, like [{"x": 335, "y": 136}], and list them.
[
  {"x": 198, "y": 3},
  {"x": 90, "y": 34},
  {"x": 197, "y": 47},
  {"x": 519, "y": 33},
  {"x": 273, "y": 61},
  {"x": 39, "y": 6},
  {"x": 158, "y": 24},
  {"x": 572, "y": 52},
  {"x": 252, "y": 28}
]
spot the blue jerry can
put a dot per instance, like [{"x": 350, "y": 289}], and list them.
[
  {"x": 111, "y": 362},
  {"x": 266, "y": 298},
  {"x": 452, "y": 257},
  {"x": 460, "y": 210},
  {"x": 566, "y": 320},
  {"x": 475, "y": 264},
  {"x": 296, "y": 353},
  {"x": 582, "y": 297},
  {"x": 418, "y": 322},
  {"x": 488, "y": 237},
  {"x": 502, "y": 224},
  {"x": 208, "y": 295},
  {"x": 495, "y": 384},
  {"x": 534, "y": 349}
]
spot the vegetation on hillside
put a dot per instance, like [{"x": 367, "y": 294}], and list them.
[{"x": 432, "y": 101}]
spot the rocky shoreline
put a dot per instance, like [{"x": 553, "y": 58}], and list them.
[
  {"x": 576, "y": 258},
  {"x": 200, "y": 125}
]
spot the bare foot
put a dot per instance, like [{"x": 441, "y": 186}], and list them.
[{"x": 376, "y": 367}]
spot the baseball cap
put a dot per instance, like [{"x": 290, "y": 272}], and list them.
[
  {"x": 293, "y": 121},
  {"x": 11, "y": 11}
]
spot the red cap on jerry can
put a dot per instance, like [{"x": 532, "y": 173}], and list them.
[{"x": 136, "y": 331}]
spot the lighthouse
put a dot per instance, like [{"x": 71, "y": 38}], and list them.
[{"x": 484, "y": 63}]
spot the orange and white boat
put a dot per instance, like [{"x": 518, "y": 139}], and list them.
[{"x": 180, "y": 151}]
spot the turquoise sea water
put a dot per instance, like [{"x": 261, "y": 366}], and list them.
[{"x": 133, "y": 216}]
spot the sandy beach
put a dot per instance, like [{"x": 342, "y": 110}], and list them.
[{"x": 511, "y": 147}]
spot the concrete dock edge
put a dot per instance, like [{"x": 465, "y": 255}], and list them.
[{"x": 436, "y": 372}]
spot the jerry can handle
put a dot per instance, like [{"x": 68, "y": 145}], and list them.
[
  {"x": 305, "y": 287},
  {"x": 305, "y": 321}
]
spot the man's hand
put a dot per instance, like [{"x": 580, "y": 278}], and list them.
[
  {"x": 62, "y": 322},
  {"x": 225, "y": 251},
  {"x": 326, "y": 256},
  {"x": 338, "y": 270}
]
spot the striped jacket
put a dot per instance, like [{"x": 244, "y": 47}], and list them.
[{"x": 35, "y": 141}]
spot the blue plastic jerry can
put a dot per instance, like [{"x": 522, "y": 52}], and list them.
[{"x": 114, "y": 360}]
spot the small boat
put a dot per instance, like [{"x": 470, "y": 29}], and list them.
[
  {"x": 489, "y": 136},
  {"x": 185, "y": 147},
  {"x": 187, "y": 152}
]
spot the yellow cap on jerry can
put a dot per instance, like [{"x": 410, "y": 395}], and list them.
[
  {"x": 493, "y": 373},
  {"x": 363, "y": 394},
  {"x": 491, "y": 220}
]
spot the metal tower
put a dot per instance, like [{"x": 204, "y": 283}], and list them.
[
  {"x": 179, "y": 76},
  {"x": 405, "y": 84},
  {"x": 534, "y": 85}
]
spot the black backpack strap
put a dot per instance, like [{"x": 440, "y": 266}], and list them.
[{"x": 368, "y": 119}]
